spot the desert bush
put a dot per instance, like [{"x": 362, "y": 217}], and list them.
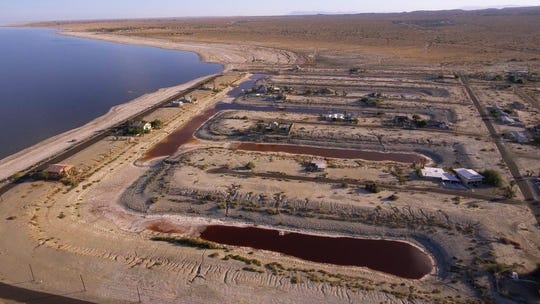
[
  {"x": 250, "y": 166},
  {"x": 492, "y": 177},
  {"x": 372, "y": 187},
  {"x": 190, "y": 242}
]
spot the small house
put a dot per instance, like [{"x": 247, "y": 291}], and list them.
[
  {"x": 146, "y": 126},
  {"x": 137, "y": 127},
  {"x": 276, "y": 90},
  {"x": 316, "y": 166},
  {"x": 335, "y": 117},
  {"x": 59, "y": 170},
  {"x": 319, "y": 165},
  {"x": 469, "y": 176},
  {"x": 177, "y": 103},
  {"x": 438, "y": 174},
  {"x": 272, "y": 126},
  {"x": 285, "y": 127},
  {"x": 187, "y": 99}
]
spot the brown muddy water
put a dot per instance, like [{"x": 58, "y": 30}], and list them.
[
  {"x": 332, "y": 152},
  {"x": 393, "y": 257},
  {"x": 179, "y": 137}
]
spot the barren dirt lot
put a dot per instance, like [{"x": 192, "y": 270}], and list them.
[
  {"x": 281, "y": 141},
  {"x": 483, "y": 37}
]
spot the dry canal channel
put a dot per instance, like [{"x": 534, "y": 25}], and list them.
[
  {"x": 184, "y": 135},
  {"x": 393, "y": 257}
]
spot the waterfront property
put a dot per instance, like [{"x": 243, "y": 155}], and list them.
[
  {"x": 59, "y": 170},
  {"x": 69, "y": 81}
]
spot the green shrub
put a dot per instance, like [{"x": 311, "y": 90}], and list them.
[{"x": 492, "y": 177}]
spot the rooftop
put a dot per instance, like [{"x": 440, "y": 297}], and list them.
[
  {"x": 438, "y": 173},
  {"x": 59, "y": 168},
  {"x": 321, "y": 164},
  {"x": 468, "y": 174}
]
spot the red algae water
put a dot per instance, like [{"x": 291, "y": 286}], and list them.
[{"x": 393, "y": 257}]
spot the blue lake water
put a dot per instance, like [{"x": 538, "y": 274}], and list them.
[{"x": 51, "y": 83}]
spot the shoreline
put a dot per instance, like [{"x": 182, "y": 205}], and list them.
[
  {"x": 230, "y": 56},
  {"x": 134, "y": 41},
  {"x": 226, "y": 55},
  {"x": 47, "y": 148}
]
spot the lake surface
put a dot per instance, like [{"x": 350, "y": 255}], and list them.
[
  {"x": 51, "y": 83},
  {"x": 393, "y": 257}
]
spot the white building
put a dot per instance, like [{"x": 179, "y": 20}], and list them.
[
  {"x": 319, "y": 165},
  {"x": 146, "y": 126},
  {"x": 469, "y": 176},
  {"x": 177, "y": 103},
  {"x": 439, "y": 174}
]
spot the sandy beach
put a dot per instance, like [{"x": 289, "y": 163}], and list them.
[{"x": 231, "y": 56}]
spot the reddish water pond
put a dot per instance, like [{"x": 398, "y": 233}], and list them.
[{"x": 393, "y": 257}]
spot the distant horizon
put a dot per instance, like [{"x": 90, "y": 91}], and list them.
[{"x": 13, "y": 13}]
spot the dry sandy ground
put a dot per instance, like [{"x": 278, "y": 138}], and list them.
[
  {"x": 64, "y": 233},
  {"x": 228, "y": 54}
]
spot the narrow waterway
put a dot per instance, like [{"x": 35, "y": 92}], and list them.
[{"x": 332, "y": 152}]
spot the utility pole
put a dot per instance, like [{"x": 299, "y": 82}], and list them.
[
  {"x": 32, "y": 273},
  {"x": 82, "y": 281}
]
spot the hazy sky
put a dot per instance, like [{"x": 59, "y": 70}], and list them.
[{"x": 13, "y": 11}]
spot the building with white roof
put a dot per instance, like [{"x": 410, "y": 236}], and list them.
[
  {"x": 438, "y": 174},
  {"x": 469, "y": 176}
]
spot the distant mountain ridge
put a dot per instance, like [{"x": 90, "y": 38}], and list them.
[{"x": 464, "y": 8}]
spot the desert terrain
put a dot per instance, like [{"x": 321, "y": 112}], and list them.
[{"x": 318, "y": 127}]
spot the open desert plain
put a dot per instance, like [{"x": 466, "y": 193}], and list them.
[{"x": 370, "y": 158}]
